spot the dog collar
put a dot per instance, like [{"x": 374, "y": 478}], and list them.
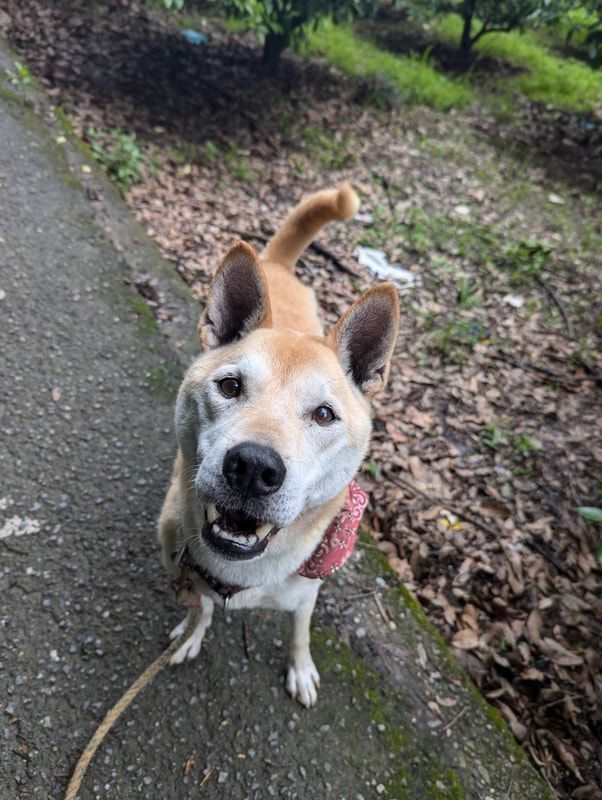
[{"x": 332, "y": 552}]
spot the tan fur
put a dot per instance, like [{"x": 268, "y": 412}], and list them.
[
  {"x": 302, "y": 224},
  {"x": 293, "y": 366}
]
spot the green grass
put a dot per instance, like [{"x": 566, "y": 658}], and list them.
[
  {"x": 414, "y": 79},
  {"x": 325, "y": 150},
  {"x": 563, "y": 82}
]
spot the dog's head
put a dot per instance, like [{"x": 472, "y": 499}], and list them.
[{"x": 272, "y": 423}]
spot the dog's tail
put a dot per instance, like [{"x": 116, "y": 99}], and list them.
[{"x": 302, "y": 224}]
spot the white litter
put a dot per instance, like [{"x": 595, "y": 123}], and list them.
[
  {"x": 376, "y": 261},
  {"x": 19, "y": 526},
  {"x": 514, "y": 300},
  {"x": 462, "y": 211}
]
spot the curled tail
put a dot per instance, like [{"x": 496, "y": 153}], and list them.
[{"x": 304, "y": 221}]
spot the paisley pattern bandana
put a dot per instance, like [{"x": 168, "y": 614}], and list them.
[{"x": 337, "y": 543}]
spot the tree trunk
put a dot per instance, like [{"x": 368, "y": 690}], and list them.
[
  {"x": 273, "y": 47},
  {"x": 466, "y": 41}
]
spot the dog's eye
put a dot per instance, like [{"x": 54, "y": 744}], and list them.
[
  {"x": 323, "y": 415},
  {"x": 229, "y": 387}
]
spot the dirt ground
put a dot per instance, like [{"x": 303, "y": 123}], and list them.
[{"x": 488, "y": 438}]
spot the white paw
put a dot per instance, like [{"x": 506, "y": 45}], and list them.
[
  {"x": 178, "y": 630},
  {"x": 303, "y": 682},
  {"x": 191, "y": 647}
]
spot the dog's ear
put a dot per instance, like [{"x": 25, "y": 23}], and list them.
[
  {"x": 238, "y": 299},
  {"x": 364, "y": 337}
]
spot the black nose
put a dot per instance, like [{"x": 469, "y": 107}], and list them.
[{"x": 253, "y": 470}]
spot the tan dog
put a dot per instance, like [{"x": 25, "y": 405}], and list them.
[{"x": 273, "y": 420}]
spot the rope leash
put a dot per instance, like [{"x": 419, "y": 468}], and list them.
[{"x": 120, "y": 706}]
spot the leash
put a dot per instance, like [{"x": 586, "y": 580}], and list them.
[{"x": 120, "y": 706}]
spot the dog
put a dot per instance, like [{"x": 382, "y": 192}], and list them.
[{"x": 272, "y": 421}]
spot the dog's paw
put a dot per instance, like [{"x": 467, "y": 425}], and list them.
[
  {"x": 303, "y": 682},
  {"x": 191, "y": 647},
  {"x": 178, "y": 630}
]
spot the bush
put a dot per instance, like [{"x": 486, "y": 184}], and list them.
[{"x": 118, "y": 152}]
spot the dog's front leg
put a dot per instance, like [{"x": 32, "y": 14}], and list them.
[
  {"x": 303, "y": 681},
  {"x": 191, "y": 647}
]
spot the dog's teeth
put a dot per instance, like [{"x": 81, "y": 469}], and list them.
[
  {"x": 239, "y": 538},
  {"x": 264, "y": 529},
  {"x": 215, "y": 528},
  {"x": 212, "y": 514}
]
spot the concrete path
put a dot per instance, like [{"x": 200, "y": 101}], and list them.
[{"x": 86, "y": 443}]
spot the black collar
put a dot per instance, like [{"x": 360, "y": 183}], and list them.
[{"x": 185, "y": 559}]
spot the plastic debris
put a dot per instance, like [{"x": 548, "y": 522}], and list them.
[
  {"x": 377, "y": 262},
  {"x": 514, "y": 300},
  {"x": 194, "y": 37}
]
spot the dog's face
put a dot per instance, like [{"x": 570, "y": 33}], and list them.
[{"x": 272, "y": 423}]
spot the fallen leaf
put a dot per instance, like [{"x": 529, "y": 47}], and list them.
[{"x": 466, "y": 639}]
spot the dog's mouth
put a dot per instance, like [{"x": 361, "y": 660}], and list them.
[{"x": 235, "y": 534}]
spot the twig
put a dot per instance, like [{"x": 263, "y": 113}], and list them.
[
  {"x": 468, "y": 517},
  {"x": 386, "y": 186},
  {"x": 534, "y": 544},
  {"x": 443, "y": 502},
  {"x": 455, "y": 719},
  {"x": 208, "y": 774},
  {"x": 245, "y": 641},
  {"x": 382, "y": 610},
  {"x": 257, "y": 235},
  {"x": 360, "y": 595},
  {"x": 553, "y": 297},
  {"x": 324, "y": 251},
  {"x": 527, "y": 365},
  {"x": 561, "y": 700}
]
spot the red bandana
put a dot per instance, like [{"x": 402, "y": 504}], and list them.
[{"x": 338, "y": 541}]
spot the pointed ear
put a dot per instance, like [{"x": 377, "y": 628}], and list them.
[
  {"x": 365, "y": 336},
  {"x": 238, "y": 299}
]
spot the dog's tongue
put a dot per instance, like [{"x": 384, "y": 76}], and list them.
[{"x": 237, "y": 521}]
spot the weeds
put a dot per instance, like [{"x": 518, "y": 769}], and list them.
[
  {"x": 494, "y": 436},
  {"x": 119, "y": 154},
  {"x": 235, "y": 162},
  {"x": 21, "y": 76},
  {"x": 525, "y": 261},
  {"x": 524, "y": 445},
  {"x": 209, "y": 154},
  {"x": 455, "y": 338},
  {"x": 325, "y": 151},
  {"x": 467, "y": 297},
  {"x": 414, "y": 80}
]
